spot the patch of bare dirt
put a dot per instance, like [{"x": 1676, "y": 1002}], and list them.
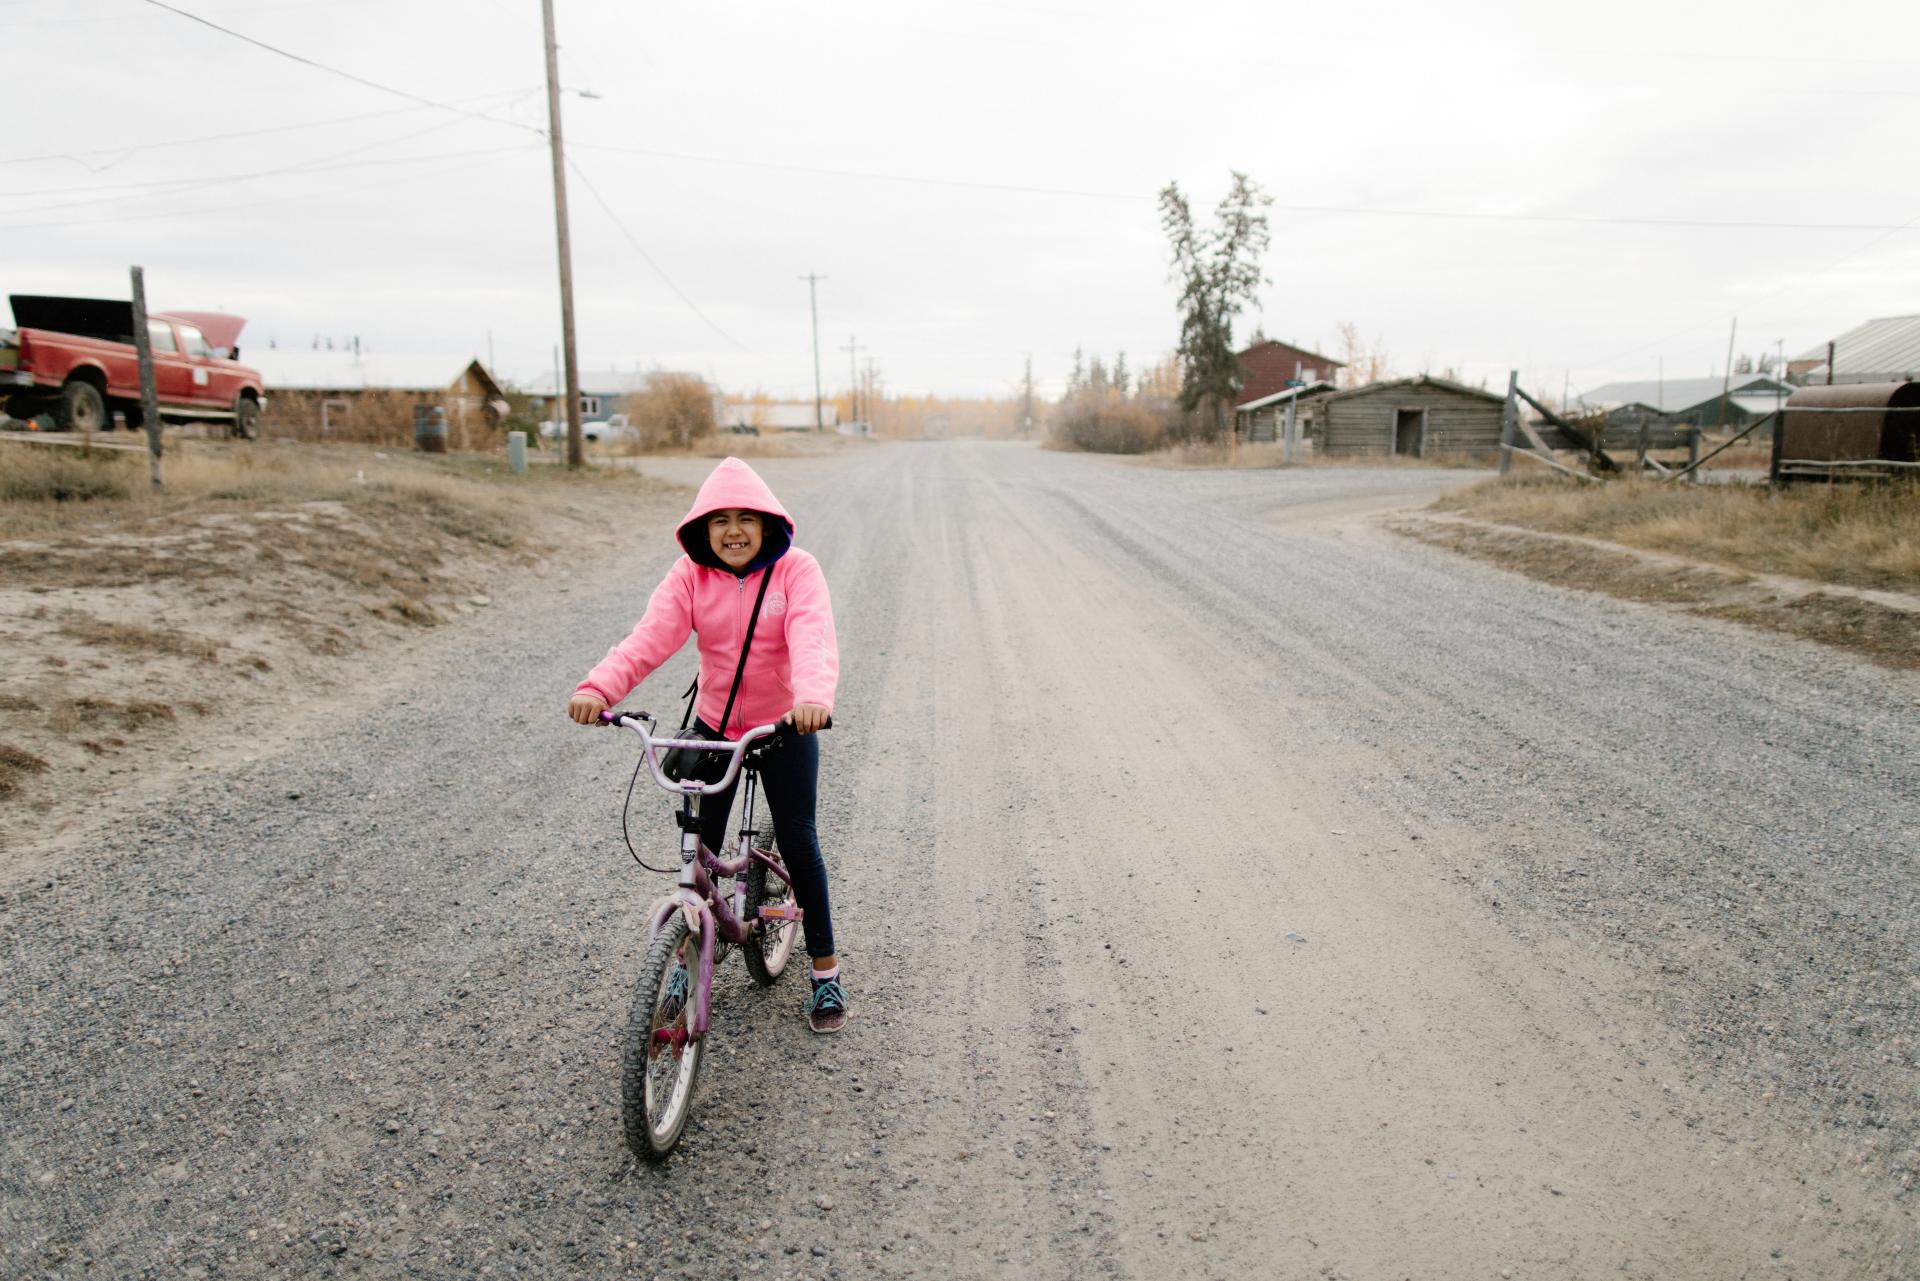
[{"x": 135, "y": 634}]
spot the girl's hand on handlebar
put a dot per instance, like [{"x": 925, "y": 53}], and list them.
[
  {"x": 586, "y": 709},
  {"x": 808, "y": 718}
]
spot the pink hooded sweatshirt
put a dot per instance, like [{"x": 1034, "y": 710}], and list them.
[{"x": 795, "y": 657}]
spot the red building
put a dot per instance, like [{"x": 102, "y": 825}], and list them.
[{"x": 1267, "y": 367}]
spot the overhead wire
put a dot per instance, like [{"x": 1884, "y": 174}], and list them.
[
  {"x": 121, "y": 153},
  {"x": 188, "y": 184},
  {"x": 647, "y": 258},
  {"x": 1286, "y": 207},
  {"x": 319, "y": 164},
  {"x": 145, "y": 214},
  {"x": 336, "y": 71}
]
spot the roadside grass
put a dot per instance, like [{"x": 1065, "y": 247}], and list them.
[
  {"x": 15, "y": 764},
  {"x": 255, "y": 566},
  {"x": 138, "y": 638},
  {"x": 1886, "y": 635},
  {"x": 377, "y": 520},
  {"x": 472, "y": 497},
  {"x": 1865, "y": 535},
  {"x": 1268, "y": 454}
]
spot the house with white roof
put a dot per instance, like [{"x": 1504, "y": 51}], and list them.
[
  {"x": 353, "y": 394},
  {"x": 1694, "y": 401},
  {"x": 1886, "y": 350}
]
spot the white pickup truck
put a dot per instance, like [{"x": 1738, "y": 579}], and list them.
[{"x": 611, "y": 429}]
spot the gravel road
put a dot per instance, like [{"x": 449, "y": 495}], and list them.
[{"x": 1227, "y": 887}]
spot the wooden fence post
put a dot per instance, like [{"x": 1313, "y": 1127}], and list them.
[
  {"x": 149, "y": 394},
  {"x": 1509, "y": 421}
]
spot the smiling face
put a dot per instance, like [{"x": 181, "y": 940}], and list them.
[{"x": 734, "y": 534}]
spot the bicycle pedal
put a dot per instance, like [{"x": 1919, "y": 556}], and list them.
[{"x": 780, "y": 912}]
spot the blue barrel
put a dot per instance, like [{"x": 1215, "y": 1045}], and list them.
[{"x": 430, "y": 429}]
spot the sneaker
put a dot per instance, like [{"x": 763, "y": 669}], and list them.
[{"x": 827, "y": 1006}]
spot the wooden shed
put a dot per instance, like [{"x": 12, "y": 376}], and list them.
[{"x": 1421, "y": 417}]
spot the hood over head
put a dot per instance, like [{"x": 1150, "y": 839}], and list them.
[{"x": 734, "y": 484}]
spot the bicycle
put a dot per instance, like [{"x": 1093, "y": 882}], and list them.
[{"x": 689, "y": 932}]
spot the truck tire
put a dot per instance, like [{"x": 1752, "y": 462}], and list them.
[
  {"x": 246, "y": 418},
  {"x": 82, "y": 407}
]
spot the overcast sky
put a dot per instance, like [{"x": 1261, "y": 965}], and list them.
[{"x": 976, "y": 182}]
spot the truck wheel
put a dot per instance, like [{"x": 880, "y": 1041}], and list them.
[
  {"x": 246, "y": 419},
  {"x": 82, "y": 407}
]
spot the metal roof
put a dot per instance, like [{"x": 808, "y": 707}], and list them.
[
  {"x": 345, "y": 370},
  {"x": 1883, "y": 350},
  {"x": 1677, "y": 395},
  {"x": 1311, "y": 389},
  {"x": 593, "y": 382}
]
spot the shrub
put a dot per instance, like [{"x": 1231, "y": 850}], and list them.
[
  {"x": 52, "y": 474},
  {"x": 670, "y": 411},
  {"x": 1105, "y": 424}
]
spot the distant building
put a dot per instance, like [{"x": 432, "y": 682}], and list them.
[
  {"x": 1693, "y": 401},
  {"x": 1421, "y": 417},
  {"x": 601, "y": 391},
  {"x": 1263, "y": 419},
  {"x": 1886, "y": 350},
  {"x": 785, "y": 416},
  {"x": 350, "y": 394},
  {"x": 1270, "y": 366}
]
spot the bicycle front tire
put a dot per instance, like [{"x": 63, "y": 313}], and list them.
[{"x": 658, "y": 1072}]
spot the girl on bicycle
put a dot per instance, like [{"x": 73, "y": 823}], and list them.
[{"x": 736, "y": 537}]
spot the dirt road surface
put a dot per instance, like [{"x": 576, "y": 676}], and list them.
[{"x": 1227, "y": 888}]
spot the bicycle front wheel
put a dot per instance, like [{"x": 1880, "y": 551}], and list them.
[
  {"x": 766, "y": 952},
  {"x": 660, "y": 1061}
]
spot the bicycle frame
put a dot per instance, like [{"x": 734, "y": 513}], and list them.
[{"x": 710, "y": 914}]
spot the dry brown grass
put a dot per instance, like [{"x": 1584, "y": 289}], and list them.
[
  {"x": 1855, "y": 535},
  {"x": 1888, "y": 636},
  {"x": 15, "y": 764},
  {"x": 70, "y": 715},
  {"x": 138, "y": 638},
  {"x": 1268, "y": 454}
]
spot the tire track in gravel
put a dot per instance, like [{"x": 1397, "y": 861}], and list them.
[{"x": 353, "y": 1009}]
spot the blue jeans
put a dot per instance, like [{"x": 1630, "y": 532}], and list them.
[{"x": 790, "y": 781}]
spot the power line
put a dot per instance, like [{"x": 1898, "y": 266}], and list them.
[
  {"x": 143, "y": 214},
  {"x": 336, "y": 71},
  {"x": 321, "y": 164},
  {"x": 868, "y": 175},
  {"x": 646, "y": 257},
  {"x": 123, "y": 152},
  {"x": 1345, "y": 210},
  {"x": 188, "y": 184}
]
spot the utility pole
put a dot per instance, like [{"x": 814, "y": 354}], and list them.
[
  {"x": 853, "y": 378},
  {"x": 576, "y": 445},
  {"x": 149, "y": 392},
  {"x": 813, "y": 299},
  {"x": 1026, "y": 400}
]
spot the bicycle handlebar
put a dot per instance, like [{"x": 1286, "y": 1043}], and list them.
[{"x": 641, "y": 724}]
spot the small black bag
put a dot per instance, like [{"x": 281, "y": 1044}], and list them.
[{"x": 681, "y": 763}]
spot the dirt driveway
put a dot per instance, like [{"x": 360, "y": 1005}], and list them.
[{"x": 1225, "y": 891}]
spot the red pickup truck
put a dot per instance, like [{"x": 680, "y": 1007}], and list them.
[{"x": 72, "y": 360}]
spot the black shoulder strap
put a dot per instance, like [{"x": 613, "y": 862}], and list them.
[{"x": 766, "y": 576}]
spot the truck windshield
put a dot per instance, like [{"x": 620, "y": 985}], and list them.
[
  {"x": 195, "y": 342},
  {"x": 160, "y": 334}
]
